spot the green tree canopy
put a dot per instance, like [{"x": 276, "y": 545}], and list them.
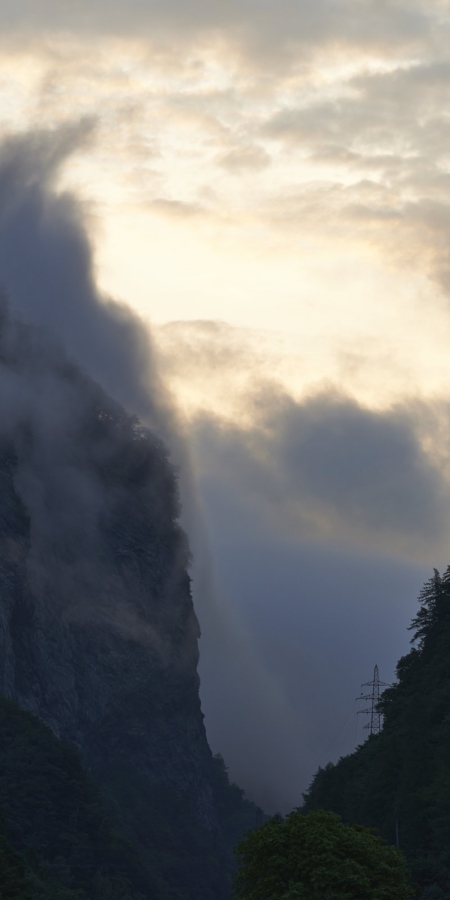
[{"x": 317, "y": 857}]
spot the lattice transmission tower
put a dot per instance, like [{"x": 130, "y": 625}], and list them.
[{"x": 375, "y": 722}]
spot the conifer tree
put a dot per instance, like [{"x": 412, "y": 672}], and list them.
[{"x": 425, "y": 620}]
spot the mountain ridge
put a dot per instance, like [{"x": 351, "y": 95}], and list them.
[{"x": 98, "y": 633}]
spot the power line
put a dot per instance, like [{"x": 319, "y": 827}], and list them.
[{"x": 375, "y": 723}]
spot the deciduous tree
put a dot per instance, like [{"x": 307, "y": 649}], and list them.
[{"x": 317, "y": 857}]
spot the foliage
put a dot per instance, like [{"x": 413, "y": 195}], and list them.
[
  {"x": 318, "y": 857},
  {"x": 399, "y": 780}
]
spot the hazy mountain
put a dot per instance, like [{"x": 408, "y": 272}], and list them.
[{"x": 98, "y": 635}]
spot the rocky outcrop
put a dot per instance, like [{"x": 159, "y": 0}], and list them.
[{"x": 98, "y": 635}]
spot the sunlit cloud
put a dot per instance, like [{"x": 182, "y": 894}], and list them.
[{"x": 347, "y": 148}]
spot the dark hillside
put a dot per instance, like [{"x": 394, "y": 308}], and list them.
[{"x": 399, "y": 780}]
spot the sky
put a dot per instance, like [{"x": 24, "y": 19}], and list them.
[{"x": 266, "y": 186}]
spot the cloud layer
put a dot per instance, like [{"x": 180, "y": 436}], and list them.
[
  {"x": 263, "y": 27},
  {"x": 310, "y": 139},
  {"x": 327, "y": 467}
]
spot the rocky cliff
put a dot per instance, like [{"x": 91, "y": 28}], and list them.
[{"x": 98, "y": 635}]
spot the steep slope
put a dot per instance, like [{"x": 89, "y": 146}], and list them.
[
  {"x": 399, "y": 780},
  {"x": 98, "y": 636}
]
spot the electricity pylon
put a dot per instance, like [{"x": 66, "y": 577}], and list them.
[{"x": 375, "y": 722}]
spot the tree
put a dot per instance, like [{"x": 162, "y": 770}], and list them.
[{"x": 317, "y": 857}]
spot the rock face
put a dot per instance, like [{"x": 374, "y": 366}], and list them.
[{"x": 98, "y": 636}]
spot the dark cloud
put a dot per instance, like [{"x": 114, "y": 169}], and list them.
[
  {"x": 53, "y": 411},
  {"x": 47, "y": 267},
  {"x": 329, "y": 466}
]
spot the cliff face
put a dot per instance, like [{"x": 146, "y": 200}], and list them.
[
  {"x": 98, "y": 636},
  {"x": 107, "y": 655}
]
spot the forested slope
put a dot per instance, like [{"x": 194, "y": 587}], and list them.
[{"x": 399, "y": 780}]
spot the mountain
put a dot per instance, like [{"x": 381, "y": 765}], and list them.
[
  {"x": 98, "y": 635},
  {"x": 399, "y": 780}
]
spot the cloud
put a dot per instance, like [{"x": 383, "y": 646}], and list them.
[
  {"x": 348, "y": 145},
  {"x": 244, "y": 159},
  {"x": 379, "y": 137},
  {"x": 176, "y": 208},
  {"x": 328, "y": 468},
  {"x": 197, "y": 358},
  {"x": 265, "y": 31},
  {"x": 47, "y": 267},
  {"x": 310, "y": 458}
]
